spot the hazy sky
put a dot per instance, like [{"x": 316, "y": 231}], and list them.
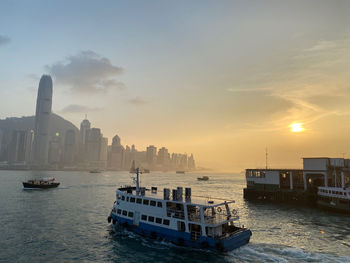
[{"x": 220, "y": 79}]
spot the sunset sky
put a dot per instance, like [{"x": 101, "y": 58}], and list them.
[{"x": 220, "y": 79}]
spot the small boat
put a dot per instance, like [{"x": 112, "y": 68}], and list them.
[
  {"x": 95, "y": 171},
  {"x": 184, "y": 220},
  {"x": 180, "y": 172},
  {"x": 203, "y": 178},
  {"x": 43, "y": 183}
]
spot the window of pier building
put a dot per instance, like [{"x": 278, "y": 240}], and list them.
[
  {"x": 175, "y": 210},
  {"x": 298, "y": 179},
  {"x": 138, "y": 200},
  {"x": 145, "y": 201},
  {"x": 153, "y": 203},
  {"x": 256, "y": 173},
  {"x": 284, "y": 179}
]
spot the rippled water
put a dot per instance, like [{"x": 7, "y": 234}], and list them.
[{"x": 69, "y": 223}]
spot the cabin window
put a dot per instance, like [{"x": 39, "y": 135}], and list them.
[
  {"x": 151, "y": 219},
  {"x": 119, "y": 211},
  {"x": 127, "y": 199},
  {"x": 132, "y": 199},
  {"x": 166, "y": 222},
  {"x": 123, "y": 197},
  {"x": 125, "y": 213},
  {"x": 131, "y": 214},
  {"x": 139, "y": 200},
  {"x": 153, "y": 203},
  {"x": 144, "y": 217},
  {"x": 159, "y": 204},
  {"x": 158, "y": 220},
  {"x": 145, "y": 201}
]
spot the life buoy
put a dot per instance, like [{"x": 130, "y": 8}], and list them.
[{"x": 219, "y": 209}]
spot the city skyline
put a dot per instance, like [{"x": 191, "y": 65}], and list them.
[{"x": 223, "y": 81}]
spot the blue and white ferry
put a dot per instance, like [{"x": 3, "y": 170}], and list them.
[{"x": 184, "y": 220}]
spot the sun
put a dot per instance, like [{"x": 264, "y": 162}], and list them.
[{"x": 296, "y": 127}]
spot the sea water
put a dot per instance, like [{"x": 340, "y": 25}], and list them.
[{"x": 69, "y": 223}]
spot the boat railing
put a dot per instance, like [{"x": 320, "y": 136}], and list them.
[
  {"x": 216, "y": 218},
  {"x": 175, "y": 213}
]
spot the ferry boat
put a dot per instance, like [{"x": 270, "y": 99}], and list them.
[
  {"x": 190, "y": 221},
  {"x": 334, "y": 198},
  {"x": 43, "y": 183}
]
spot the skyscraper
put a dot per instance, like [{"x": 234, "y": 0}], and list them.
[
  {"x": 69, "y": 147},
  {"x": 42, "y": 118}
]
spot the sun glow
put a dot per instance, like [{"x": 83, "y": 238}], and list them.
[{"x": 296, "y": 127}]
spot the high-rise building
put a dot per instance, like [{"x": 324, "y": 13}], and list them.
[
  {"x": 117, "y": 154},
  {"x": 93, "y": 146},
  {"x": 55, "y": 150},
  {"x": 69, "y": 147},
  {"x": 42, "y": 118},
  {"x": 103, "y": 152},
  {"x": 151, "y": 155},
  {"x": 191, "y": 162},
  {"x": 20, "y": 147},
  {"x": 85, "y": 125},
  {"x": 163, "y": 158}
]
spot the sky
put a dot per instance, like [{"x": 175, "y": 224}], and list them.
[{"x": 224, "y": 80}]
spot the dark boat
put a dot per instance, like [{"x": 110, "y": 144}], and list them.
[
  {"x": 203, "y": 178},
  {"x": 43, "y": 183}
]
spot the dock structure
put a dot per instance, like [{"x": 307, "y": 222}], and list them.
[{"x": 297, "y": 185}]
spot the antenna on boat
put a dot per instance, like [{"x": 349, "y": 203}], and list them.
[{"x": 137, "y": 181}]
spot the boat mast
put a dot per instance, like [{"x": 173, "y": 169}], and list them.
[{"x": 137, "y": 182}]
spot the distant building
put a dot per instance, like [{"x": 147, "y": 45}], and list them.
[
  {"x": 117, "y": 154},
  {"x": 42, "y": 118},
  {"x": 55, "y": 151},
  {"x": 151, "y": 155},
  {"x": 69, "y": 147},
  {"x": 103, "y": 152},
  {"x": 191, "y": 163},
  {"x": 163, "y": 158},
  {"x": 93, "y": 146},
  {"x": 20, "y": 147}
]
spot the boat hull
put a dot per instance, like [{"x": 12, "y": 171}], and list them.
[
  {"x": 336, "y": 206},
  {"x": 236, "y": 240},
  {"x": 36, "y": 186}
]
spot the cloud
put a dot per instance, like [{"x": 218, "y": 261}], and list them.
[
  {"x": 75, "y": 108},
  {"x": 321, "y": 46},
  {"x": 137, "y": 101},
  {"x": 248, "y": 89},
  {"x": 4, "y": 40},
  {"x": 87, "y": 72}
]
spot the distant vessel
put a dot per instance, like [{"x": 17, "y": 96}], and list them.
[
  {"x": 95, "y": 171},
  {"x": 334, "y": 198},
  {"x": 180, "y": 172},
  {"x": 43, "y": 183},
  {"x": 183, "y": 220},
  {"x": 203, "y": 178}
]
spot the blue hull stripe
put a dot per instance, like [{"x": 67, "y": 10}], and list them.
[{"x": 184, "y": 238}]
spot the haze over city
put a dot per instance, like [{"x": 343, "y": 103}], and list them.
[{"x": 200, "y": 77}]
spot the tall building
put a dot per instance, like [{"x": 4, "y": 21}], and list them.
[
  {"x": 85, "y": 125},
  {"x": 55, "y": 150},
  {"x": 93, "y": 146},
  {"x": 20, "y": 147},
  {"x": 151, "y": 155},
  {"x": 103, "y": 152},
  {"x": 117, "y": 154},
  {"x": 69, "y": 147},
  {"x": 42, "y": 118},
  {"x": 163, "y": 158}
]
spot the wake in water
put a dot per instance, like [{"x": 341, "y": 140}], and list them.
[{"x": 255, "y": 252}]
